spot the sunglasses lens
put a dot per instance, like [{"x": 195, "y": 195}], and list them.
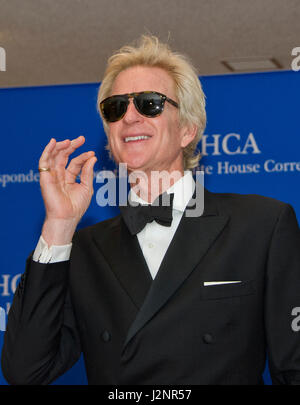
[
  {"x": 114, "y": 108},
  {"x": 149, "y": 104}
]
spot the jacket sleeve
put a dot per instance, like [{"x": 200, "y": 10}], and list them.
[
  {"x": 282, "y": 295},
  {"x": 41, "y": 341}
]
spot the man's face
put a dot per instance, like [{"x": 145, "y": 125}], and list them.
[{"x": 163, "y": 149}]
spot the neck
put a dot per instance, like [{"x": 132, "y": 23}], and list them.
[{"x": 149, "y": 186}]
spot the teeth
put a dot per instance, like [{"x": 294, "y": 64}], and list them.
[{"x": 136, "y": 138}]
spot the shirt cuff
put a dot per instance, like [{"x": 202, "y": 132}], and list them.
[{"x": 53, "y": 254}]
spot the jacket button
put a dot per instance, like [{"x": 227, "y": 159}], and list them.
[
  {"x": 208, "y": 338},
  {"x": 105, "y": 336}
]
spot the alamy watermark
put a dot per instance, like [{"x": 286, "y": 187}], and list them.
[
  {"x": 295, "y": 65},
  {"x": 296, "y": 321},
  {"x": 2, "y": 60},
  {"x": 142, "y": 185},
  {"x": 2, "y": 320}
]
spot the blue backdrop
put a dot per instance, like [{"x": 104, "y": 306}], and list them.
[{"x": 251, "y": 145}]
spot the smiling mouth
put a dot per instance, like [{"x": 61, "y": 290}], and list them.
[{"x": 136, "y": 138}]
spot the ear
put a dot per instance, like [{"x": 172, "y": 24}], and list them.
[{"x": 188, "y": 134}]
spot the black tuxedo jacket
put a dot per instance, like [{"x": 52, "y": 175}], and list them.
[{"x": 173, "y": 330}]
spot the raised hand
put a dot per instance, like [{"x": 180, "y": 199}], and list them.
[{"x": 65, "y": 200}]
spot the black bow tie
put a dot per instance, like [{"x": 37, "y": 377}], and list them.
[{"x": 136, "y": 217}]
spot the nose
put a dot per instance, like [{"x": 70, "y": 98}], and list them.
[{"x": 132, "y": 115}]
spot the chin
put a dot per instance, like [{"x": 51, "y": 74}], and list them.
[
  {"x": 134, "y": 163},
  {"x": 134, "y": 167}
]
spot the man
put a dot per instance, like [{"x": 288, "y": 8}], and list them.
[{"x": 174, "y": 300}]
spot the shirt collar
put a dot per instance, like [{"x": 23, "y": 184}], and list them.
[{"x": 183, "y": 190}]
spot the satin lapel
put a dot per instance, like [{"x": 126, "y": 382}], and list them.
[
  {"x": 123, "y": 253},
  {"x": 191, "y": 241}
]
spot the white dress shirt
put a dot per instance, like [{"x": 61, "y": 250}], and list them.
[{"x": 154, "y": 239}]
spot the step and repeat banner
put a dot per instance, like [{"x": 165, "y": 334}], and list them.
[{"x": 251, "y": 146}]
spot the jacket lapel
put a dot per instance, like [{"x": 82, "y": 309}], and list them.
[
  {"x": 191, "y": 241},
  {"x": 123, "y": 253}
]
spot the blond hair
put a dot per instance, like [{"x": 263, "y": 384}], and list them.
[{"x": 151, "y": 52}]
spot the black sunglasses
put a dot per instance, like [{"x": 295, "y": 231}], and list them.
[{"x": 148, "y": 103}]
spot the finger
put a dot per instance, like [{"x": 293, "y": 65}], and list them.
[
  {"x": 56, "y": 157},
  {"x": 50, "y": 150},
  {"x": 61, "y": 155},
  {"x": 76, "y": 165},
  {"x": 59, "y": 148},
  {"x": 76, "y": 143},
  {"x": 66, "y": 146},
  {"x": 60, "y": 160},
  {"x": 62, "y": 145},
  {"x": 44, "y": 159},
  {"x": 87, "y": 173}
]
